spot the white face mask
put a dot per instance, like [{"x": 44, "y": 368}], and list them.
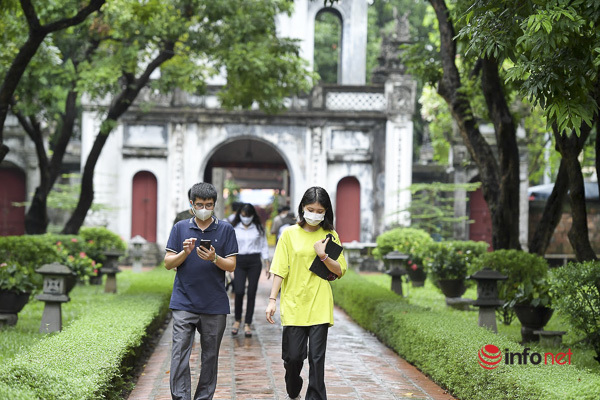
[
  {"x": 246, "y": 220},
  {"x": 203, "y": 214},
  {"x": 313, "y": 219}
]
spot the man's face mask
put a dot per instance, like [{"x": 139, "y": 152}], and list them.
[{"x": 202, "y": 214}]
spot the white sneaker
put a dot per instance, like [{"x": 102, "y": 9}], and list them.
[{"x": 295, "y": 398}]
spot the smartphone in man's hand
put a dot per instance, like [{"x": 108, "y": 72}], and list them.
[{"x": 205, "y": 243}]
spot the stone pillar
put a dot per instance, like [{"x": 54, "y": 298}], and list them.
[
  {"x": 400, "y": 92},
  {"x": 523, "y": 186},
  {"x": 180, "y": 200},
  {"x": 459, "y": 154},
  {"x": 317, "y": 167},
  {"x": 218, "y": 181}
]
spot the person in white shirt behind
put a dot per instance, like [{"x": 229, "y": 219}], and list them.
[{"x": 252, "y": 249}]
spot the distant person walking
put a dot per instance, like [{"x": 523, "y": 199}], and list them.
[
  {"x": 286, "y": 221},
  {"x": 278, "y": 220},
  {"x": 199, "y": 301},
  {"x": 306, "y": 299},
  {"x": 253, "y": 250}
]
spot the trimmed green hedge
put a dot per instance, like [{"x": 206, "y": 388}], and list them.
[
  {"x": 93, "y": 355},
  {"x": 446, "y": 349}
]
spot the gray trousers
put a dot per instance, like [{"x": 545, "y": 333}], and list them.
[{"x": 211, "y": 328}]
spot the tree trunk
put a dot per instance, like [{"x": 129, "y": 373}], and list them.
[
  {"x": 552, "y": 213},
  {"x": 118, "y": 107},
  {"x": 506, "y": 229},
  {"x": 86, "y": 197},
  {"x": 36, "y": 218},
  {"x": 497, "y": 190},
  {"x": 570, "y": 147}
]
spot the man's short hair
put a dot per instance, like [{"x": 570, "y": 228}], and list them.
[
  {"x": 203, "y": 191},
  {"x": 284, "y": 208}
]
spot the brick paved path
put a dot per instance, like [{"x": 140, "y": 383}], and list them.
[{"x": 358, "y": 366}]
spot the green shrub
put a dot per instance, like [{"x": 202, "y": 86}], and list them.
[
  {"x": 526, "y": 279},
  {"x": 15, "y": 393},
  {"x": 28, "y": 250},
  {"x": 405, "y": 240},
  {"x": 576, "y": 293},
  {"x": 451, "y": 259},
  {"x": 100, "y": 240},
  {"x": 72, "y": 251},
  {"x": 445, "y": 348},
  {"x": 359, "y": 302}
]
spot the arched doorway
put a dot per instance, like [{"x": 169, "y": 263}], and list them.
[
  {"x": 144, "y": 206},
  {"x": 12, "y": 190},
  {"x": 347, "y": 210},
  {"x": 479, "y": 213},
  {"x": 249, "y": 170},
  {"x": 328, "y": 41}
]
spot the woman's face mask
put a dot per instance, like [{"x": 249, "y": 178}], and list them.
[
  {"x": 246, "y": 220},
  {"x": 313, "y": 219}
]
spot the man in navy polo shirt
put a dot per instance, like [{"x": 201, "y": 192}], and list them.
[{"x": 199, "y": 300}]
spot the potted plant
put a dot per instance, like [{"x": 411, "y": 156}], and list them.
[
  {"x": 448, "y": 263},
  {"x": 532, "y": 307},
  {"x": 525, "y": 284},
  {"x": 416, "y": 271},
  {"x": 16, "y": 285}
]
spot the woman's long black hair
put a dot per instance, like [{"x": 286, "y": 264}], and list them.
[
  {"x": 317, "y": 194},
  {"x": 249, "y": 210}
]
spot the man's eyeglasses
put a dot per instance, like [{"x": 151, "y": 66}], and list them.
[{"x": 200, "y": 206}]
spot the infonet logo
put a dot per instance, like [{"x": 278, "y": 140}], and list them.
[{"x": 490, "y": 357}]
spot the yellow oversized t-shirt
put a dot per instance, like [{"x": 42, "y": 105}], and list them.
[{"x": 306, "y": 299}]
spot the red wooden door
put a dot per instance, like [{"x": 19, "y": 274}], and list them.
[
  {"x": 347, "y": 219},
  {"x": 144, "y": 206},
  {"x": 12, "y": 190},
  {"x": 481, "y": 229}
]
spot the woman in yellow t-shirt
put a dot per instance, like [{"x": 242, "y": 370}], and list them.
[{"x": 306, "y": 299}]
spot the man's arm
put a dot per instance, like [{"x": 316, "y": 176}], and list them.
[
  {"x": 224, "y": 263},
  {"x": 174, "y": 260}
]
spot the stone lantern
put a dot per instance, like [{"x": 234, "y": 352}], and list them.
[
  {"x": 487, "y": 297},
  {"x": 352, "y": 252},
  {"x": 396, "y": 261},
  {"x": 137, "y": 251},
  {"x": 110, "y": 268},
  {"x": 54, "y": 294}
]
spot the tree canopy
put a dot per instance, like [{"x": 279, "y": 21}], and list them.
[{"x": 156, "y": 44}]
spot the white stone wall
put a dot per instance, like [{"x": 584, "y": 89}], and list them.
[
  {"x": 189, "y": 149},
  {"x": 301, "y": 25}
]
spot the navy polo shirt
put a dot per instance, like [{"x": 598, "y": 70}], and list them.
[{"x": 199, "y": 285}]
